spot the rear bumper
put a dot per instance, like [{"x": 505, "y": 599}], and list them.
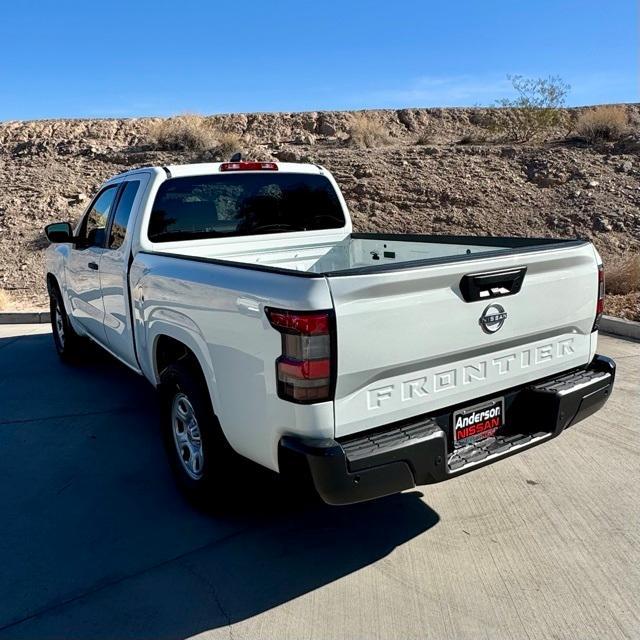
[{"x": 400, "y": 456}]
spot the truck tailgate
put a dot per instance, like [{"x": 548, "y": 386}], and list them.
[{"x": 408, "y": 343}]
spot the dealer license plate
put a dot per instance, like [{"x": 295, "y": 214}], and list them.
[{"x": 478, "y": 422}]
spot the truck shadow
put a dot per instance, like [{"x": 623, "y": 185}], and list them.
[{"x": 96, "y": 542}]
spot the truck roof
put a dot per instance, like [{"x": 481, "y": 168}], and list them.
[
  {"x": 214, "y": 167},
  {"x": 204, "y": 168}
]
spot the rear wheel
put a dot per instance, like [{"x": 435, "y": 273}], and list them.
[
  {"x": 186, "y": 436},
  {"x": 199, "y": 454},
  {"x": 67, "y": 342}
]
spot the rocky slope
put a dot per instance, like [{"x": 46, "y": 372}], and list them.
[{"x": 457, "y": 179}]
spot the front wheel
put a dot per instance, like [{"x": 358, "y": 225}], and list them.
[
  {"x": 199, "y": 454},
  {"x": 67, "y": 342}
]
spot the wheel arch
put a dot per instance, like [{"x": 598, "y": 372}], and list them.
[
  {"x": 169, "y": 348},
  {"x": 54, "y": 284}
]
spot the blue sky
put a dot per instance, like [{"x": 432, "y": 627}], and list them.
[{"x": 110, "y": 59}]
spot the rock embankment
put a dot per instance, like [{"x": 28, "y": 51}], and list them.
[{"x": 437, "y": 171}]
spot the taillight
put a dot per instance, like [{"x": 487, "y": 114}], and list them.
[
  {"x": 305, "y": 370},
  {"x": 600, "y": 302},
  {"x": 248, "y": 166}
]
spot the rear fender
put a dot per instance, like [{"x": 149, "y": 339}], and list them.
[{"x": 166, "y": 322}]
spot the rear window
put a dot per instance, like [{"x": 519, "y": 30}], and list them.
[{"x": 242, "y": 205}]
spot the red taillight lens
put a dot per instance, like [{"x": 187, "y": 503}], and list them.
[
  {"x": 304, "y": 370},
  {"x": 248, "y": 166},
  {"x": 295, "y": 322},
  {"x": 600, "y": 302}
]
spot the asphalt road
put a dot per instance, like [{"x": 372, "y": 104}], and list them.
[{"x": 95, "y": 542}]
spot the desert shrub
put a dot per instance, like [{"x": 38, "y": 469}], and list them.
[
  {"x": 187, "y": 132},
  {"x": 623, "y": 277},
  {"x": 603, "y": 123},
  {"x": 536, "y": 108},
  {"x": 227, "y": 143},
  {"x": 367, "y": 131},
  {"x": 484, "y": 118},
  {"x": 473, "y": 137},
  {"x": 426, "y": 136},
  {"x": 5, "y": 300}
]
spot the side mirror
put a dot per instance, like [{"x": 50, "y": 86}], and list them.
[{"x": 59, "y": 232}]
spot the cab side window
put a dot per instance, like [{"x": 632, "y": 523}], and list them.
[
  {"x": 92, "y": 233},
  {"x": 121, "y": 216}
]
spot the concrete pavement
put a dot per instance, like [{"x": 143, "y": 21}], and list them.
[{"x": 95, "y": 542}]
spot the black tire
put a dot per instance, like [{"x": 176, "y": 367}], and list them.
[
  {"x": 208, "y": 483},
  {"x": 67, "y": 342}
]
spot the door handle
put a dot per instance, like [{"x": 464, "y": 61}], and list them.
[
  {"x": 93, "y": 265},
  {"x": 492, "y": 284}
]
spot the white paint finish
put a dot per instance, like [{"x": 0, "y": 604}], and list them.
[
  {"x": 361, "y": 251},
  {"x": 408, "y": 344},
  {"x": 321, "y": 252},
  {"x": 593, "y": 349},
  {"x": 218, "y": 312},
  {"x": 114, "y": 268},
  {"x": 86, "y": 305}
]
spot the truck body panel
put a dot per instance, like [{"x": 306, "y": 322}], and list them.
[
  {"x": 430, "y": 349},
  {"x": 218, "y": 312}
]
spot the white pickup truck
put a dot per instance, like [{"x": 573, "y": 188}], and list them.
[{"x": 369, "y": 363}]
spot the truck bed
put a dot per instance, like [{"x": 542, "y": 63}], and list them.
[
  {"x": 409, "y": 311},
  {"x": 361, "y": 252}
]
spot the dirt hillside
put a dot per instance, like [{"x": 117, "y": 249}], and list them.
[{"x": 427, "y": 171}]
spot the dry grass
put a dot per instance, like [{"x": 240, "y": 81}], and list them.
[
  {"x": 367, "y": 131},
  {"x": 187, "y": 132},
  {"x": 603, "y": 123},
  {"x": 190, "y": 132},
  {"x": 425, "y": 138},
  {"x": 473, "y": 137},
  {"x": 228, "y": 143},
  {"x": 5, "y": 300},
  {"x": 623, "y": 277}
]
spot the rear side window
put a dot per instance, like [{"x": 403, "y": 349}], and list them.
[
  {"x": 242, "y": 205},
  {"x": 121, "y": 217}
]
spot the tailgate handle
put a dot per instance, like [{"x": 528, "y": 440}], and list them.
[{"x": 491, "y": 284}]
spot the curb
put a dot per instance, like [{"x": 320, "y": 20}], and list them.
[
  {"x": 620, "y": 327},
  {"x": 24, "y": 317}
]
